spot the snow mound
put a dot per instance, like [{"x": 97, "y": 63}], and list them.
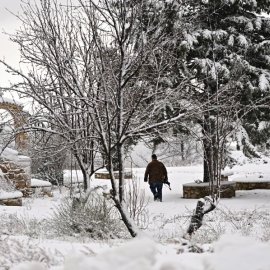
[
  {"x": 9, "y": 153},
  {"x": 137, "y": 254},
  {"x": 39, "y": 183},
  {"x": 29, "y": 266},
  {"x": 238, "y": 252},
  {"x": 4, "y": 195}
]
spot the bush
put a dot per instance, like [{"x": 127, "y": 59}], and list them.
[
  {"x": 94, "y": 218},
  {"x": 16, "y": 250},
  {"x": 12, "y": 224},
  {"x": 136, "y": 203}
]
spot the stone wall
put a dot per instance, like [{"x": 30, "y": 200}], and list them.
[
  {"x": 200, "y": 190},
  {"x": 106, "y": 175},
  {"x": 245, "y": 185},
  {"x": 20, "y": 119},
  {"x": 17, "y": 176}
]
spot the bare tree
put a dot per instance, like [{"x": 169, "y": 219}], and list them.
[
  {"x": 86, "y": 68},
  {"x": 57, "y": 77}
]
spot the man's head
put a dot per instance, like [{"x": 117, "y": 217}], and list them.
[{"x": 154, "y": 157}]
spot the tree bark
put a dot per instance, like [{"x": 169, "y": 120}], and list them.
[
  {"x": 125, "y": 218},
  {"x": 207, "y": 153},
  {"x": 197, "y": 218}
]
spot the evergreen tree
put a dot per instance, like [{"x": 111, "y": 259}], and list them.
[
  {"x": 222, "y": 47},
  {"x": 225, "y": 51}
]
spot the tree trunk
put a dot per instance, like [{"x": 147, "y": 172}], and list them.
[
  {"x": 117, "y": 195},
  {"x": 120, "y": 171},
  {"x": 83, "y": 170},
  {"x": 125, "y": 218},
  {"x": 206, "y": 162},
  {"x": 197, "y": 218},
  {"x": 207, "y": 150},
  {"x": 182, "y": 150}
]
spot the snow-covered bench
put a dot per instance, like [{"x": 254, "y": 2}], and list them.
[
  {"x": 104, "y": 174},
  {"x": 199, "y": 190},
  {"x": 41, "y": 186}
]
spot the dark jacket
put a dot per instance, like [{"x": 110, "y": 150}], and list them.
[{"x": 156, "y": 171}]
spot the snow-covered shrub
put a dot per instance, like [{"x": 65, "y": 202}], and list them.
[
  {"x": 136, "y": 203},
  {"x": 242, "y": 221},
  {"x": 209, "y": 232},
  {"x": 12, "y": 224},
  {"x": 248, "y": 222},
  {"x": 265, "y": 227},
  {"x": 167, "y": 229},
  {"x": 17, "y": 250},
  {"x": 32, "y": 227},
  {"x": 95, "y": 218},
  {"x": 9, "y": 224}
]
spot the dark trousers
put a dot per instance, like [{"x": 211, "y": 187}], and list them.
[{"x": 156, "y": 189}]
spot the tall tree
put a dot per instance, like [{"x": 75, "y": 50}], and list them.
[
  {"x": 86, "y": 69},
  {"x": 126, "y": 103},
  {"x": 238, "y": 36},
  {"x": 55, "y": 74},
  {"x": 224, "y": 51}
]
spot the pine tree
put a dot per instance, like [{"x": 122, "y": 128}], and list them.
[
  {"x": 222, "y": 48},
  {"x": 225, "y": 50}
]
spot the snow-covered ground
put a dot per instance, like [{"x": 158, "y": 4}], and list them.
[{"x": 234, "y": 236}]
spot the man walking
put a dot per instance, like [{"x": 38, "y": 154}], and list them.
[{"x": 157, "y": 174}]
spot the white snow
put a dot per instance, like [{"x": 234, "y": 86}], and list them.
[
  {"x": 253, "y": 177},
  {"x": 238, "y": 252},
  {"x": 242, "y": 41},
  {"x": 139, "y": 253},
  {"x": 9, "y": 100},
  {"x": 9, "y": 153},
  {"x": 233, "y": 227},
  {"x": 263, "y": 83},
  {"x": 249, "y": 27},
  {"x": 263, "y": 125},
  {"x": 4, "y": 195},
  {"x": 29, "y": 266},
  {"x": 40, "y": 183},
  {"x": 231, "y": 40},
  {"x": 258, "y": 23}
]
